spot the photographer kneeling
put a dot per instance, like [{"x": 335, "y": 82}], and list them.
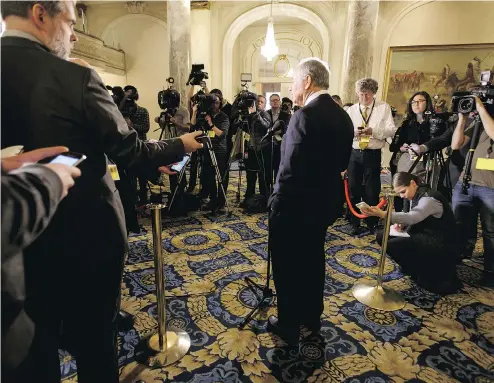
[
  {"x": 428, "y": 254},
  {"x": 216, "y": 123}
]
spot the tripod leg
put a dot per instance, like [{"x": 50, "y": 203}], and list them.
[
  {"x": 179, "y": 182},
  {"x": 217, "y": 170}
]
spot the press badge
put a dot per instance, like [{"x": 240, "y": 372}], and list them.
[
  {"x": 114, "y": 172},
  {"x": 211, "y": 134},
  {"x": 485, "y": 164}
]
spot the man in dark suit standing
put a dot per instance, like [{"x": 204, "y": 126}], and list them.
[
  {"x": 307, "y": 198},
  {"x": 276, "y": 114},
  {"x": 47, "y": 101}
]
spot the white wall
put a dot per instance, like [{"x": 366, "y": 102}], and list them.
[
  {"x": 145, "y": 43},
  {"x": 200, "y": 38},
  {"x": 112, "y": 79}
]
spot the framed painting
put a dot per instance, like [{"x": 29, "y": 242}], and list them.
[{"x": 439, "y": 70}]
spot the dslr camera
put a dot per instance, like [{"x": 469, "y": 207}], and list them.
[
  {"x": 197, "y": 75},
  {"x": 437, "y": 122},
  {"x": 464, "y": 102}
]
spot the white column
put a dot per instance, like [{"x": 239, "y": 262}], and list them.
[
  {"x": 178, "y": 20},
  {"x": 361, "y": 31},
  {"x": 200, "y": 40}
]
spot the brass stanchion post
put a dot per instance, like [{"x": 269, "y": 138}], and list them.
[
  {"x": 169, "y": 345},
  {"x": 373, "y": 293}
]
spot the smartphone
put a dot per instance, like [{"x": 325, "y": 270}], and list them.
[
  {"x": 361, "y": 205},
  {"x": 67, "y": 158},
  {"x": 179, "y": 166}
]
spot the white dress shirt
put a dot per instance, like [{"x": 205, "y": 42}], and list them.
[
  {"x": 313, "y": 96},
  {"x": 381, "y": 122}
]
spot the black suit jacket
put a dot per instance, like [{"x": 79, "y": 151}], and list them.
[
  {"x": 48, "y": 101},
  {"x": 315, "y": 150}
]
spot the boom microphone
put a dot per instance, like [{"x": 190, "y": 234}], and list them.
[{"x": 277, "y": 128}]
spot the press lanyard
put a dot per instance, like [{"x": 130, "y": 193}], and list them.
[{"x": 370, "y": 114}]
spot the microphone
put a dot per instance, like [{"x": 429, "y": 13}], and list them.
[{"x": 277, "y": 128}]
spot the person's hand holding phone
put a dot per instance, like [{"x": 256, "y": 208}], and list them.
[
  {"x": 190, "y": 142},
  {"x": 14, "y": 162},
  {"x": 167, "y": 170},
  {"x": 67, "y": 174}
]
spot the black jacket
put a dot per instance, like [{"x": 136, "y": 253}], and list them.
[
  {"x": 257, "y": 128},
  {"x": 48, "y": 101},
  {"x": 283, "y": 116},
  {"x": 315, "y": 150},
  {"x": 30, "y": 197}
]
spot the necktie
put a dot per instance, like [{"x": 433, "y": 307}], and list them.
[{"x": 365, "y": 113}]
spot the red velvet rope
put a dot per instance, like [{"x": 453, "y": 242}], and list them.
[{"x": 381, "y": 204}]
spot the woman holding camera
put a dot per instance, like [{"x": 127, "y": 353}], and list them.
[{"x": 427, "y": 251}]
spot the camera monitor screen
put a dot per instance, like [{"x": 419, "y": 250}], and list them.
[{"x": 246, "y": 77}]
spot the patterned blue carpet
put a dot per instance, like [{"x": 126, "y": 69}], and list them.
[{"x": 432, "y": 339}]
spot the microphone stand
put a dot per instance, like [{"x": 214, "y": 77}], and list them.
[{"x": 264, "y": 294}]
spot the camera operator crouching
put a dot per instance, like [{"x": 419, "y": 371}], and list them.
[
  {"x": 474, "y": 191},
  {"x": 208, "y": 117},
  {"x": 258, "y": 159}
]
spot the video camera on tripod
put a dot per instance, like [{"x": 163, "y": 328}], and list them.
[
  {"x": 243, "y": 101},
  {"x": 437, "y": 122},
  {"x": 464, "y": 102},
  {"x": 197, "y": 75}
]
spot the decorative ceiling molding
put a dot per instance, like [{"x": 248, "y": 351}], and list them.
[
  {"x": 200, "y": 4},
  {"x": 135, "y": 7}
]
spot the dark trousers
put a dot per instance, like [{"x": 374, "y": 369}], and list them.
[
  {"x": 82, "y": 296},
  {"x": 478, "y": 200},
  {"x": 364, "y": 180},
  {"x": 258, "y": 163},
  {"x": 211, "y": 188},
  {"x": 422, "y": 258},
  {"x": 298, "y": 260}
]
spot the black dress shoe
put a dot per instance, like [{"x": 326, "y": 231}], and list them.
[{"x": 289, "y": 335}]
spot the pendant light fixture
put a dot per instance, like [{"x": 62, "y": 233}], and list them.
[{"x": 270, "y": 49}]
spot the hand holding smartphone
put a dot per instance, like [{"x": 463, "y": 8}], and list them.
[
  {"x": 67, "y": 158},
  {"x": 361, "y": 205}
]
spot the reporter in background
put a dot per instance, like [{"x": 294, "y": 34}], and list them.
[
  {"x": 87, "y": 238},
  {"x": 218, "y": 123},
  {"x": 337, "y": 99},
  {"x": 480, "y": 195},
  {"x": 430, "y": 253},
  {"x": 138, "y": 120},
  {"x": 373, "y": 123},
  {"x": 259, "y": 153},
  {"x": 306, "y": 200},
  {"x": 30, "y": 197},
  {"x": 275, "y": 114}
]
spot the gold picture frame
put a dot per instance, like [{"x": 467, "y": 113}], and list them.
[{"x": 439, "y": 70}]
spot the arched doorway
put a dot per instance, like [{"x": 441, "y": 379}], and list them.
[{"x": 260, "y": 13}]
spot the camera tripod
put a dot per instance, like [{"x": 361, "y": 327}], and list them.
[
  {"x": 435, "y": 166},
  {"x": 178, "y": 186},
  {"x": 168, "y": 130},
  {"x": 214, "y": 161},
  {"x": 264, "y": 294}
]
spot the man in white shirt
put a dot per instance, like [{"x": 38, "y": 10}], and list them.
[{"x": 373, "y": 123}]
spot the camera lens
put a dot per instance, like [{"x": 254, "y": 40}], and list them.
[{"x": 465, "y": 105}]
